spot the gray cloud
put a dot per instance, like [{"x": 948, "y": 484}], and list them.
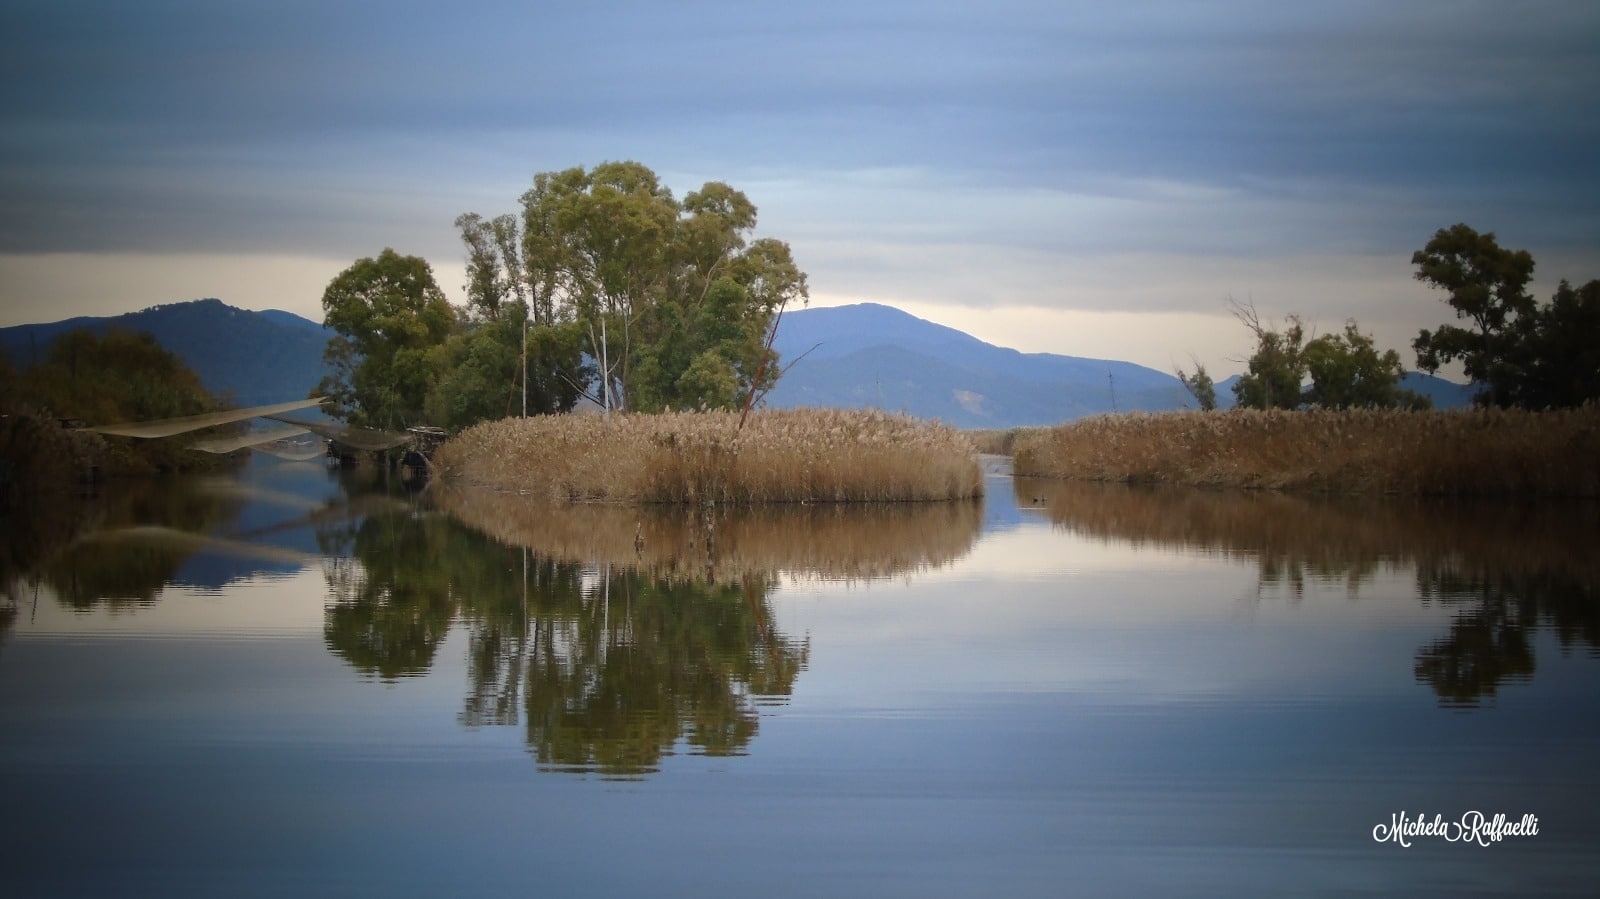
[{"x": 1261, "y": 128}]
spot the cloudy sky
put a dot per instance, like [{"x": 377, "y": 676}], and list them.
[{"x": 1084, "y": 178}]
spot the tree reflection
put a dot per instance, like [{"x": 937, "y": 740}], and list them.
[
  {"x": 608, "y": 668},
  {"x": 1489, "y": 641},
  {"x": 1509, "y": 570}
]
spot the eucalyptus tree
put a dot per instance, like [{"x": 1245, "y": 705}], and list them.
[{"x": 672, "y": 299}]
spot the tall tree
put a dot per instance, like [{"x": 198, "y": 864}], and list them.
[
  {"x": 1276, "y": 368},
  {"x": 389, "y": 316},
  {"x": 1488, "y": 287},
  {"x": 1565, "y": 357},
  {"x": 673, "y": 299}
]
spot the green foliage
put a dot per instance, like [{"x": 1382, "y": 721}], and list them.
[
  {"x": 1348, "y": 372},
  {"x": 672, "y": 296},
  {"x": 1487, "y": 286},
  {"x": 479, "y": 372},
  {"x": 120, "y": 376},
  {"x": 390, "y": 317},
  {"x": 1200, "y": 386},
  {"x": 1276, "y": 369},
  {"x": 1523, "y": 354}
]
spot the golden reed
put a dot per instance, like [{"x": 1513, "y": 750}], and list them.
[
  {"x": 780, "y": 456},
  {"x": 830, "y": 541},
  {"x": 1493, "y": 452}
]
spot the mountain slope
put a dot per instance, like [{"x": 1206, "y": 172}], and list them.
[
  {"x": 256, "y": 357},
  {"x": 877, "y": 356}
]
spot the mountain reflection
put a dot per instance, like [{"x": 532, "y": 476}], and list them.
[
  {"x": 1506, "y": 569},
  {"x": 117, "y": 550}
]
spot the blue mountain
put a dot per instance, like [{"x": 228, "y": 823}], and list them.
[
  {"x": 869, "y": 355},
  {"x": 254, "y": 357}
]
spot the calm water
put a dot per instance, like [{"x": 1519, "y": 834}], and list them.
[{"x": 294, "y": 683}]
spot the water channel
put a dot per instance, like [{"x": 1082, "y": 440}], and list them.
[{"x": 297, "y": 681}]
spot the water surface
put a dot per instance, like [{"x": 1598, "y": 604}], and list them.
[{"x": 292, "y": 681}]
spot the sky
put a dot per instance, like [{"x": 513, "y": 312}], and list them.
[{"x": 1081, "y": 178}]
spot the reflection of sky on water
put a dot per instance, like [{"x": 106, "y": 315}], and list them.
[{"x": 1051, "y": 712}]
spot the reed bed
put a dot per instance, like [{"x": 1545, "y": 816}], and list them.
[
  {"x": 831, "y": 541},
  {"x": 1495, "y": 452},
  {"x": 704, "y": 458},
  {"x": 998, "y": 441}
]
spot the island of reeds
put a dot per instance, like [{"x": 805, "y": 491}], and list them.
[
  {"x": 708, "y": 458},
  {"x": 1480, "y": 452}
]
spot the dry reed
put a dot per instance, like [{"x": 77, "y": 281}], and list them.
[
  {"x": 782, "y": 456},
  {"x": 1495, "y": 452}
]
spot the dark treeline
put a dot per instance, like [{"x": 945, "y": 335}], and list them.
[
  {"x": 95, "y": 379},
  {"x": 1519, "y": 353}
]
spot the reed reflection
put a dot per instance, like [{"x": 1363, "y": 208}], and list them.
[
  {"x": 836, "y": 541},
  {"x": 1506, "y": 569}
]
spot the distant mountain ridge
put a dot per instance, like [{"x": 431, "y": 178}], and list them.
[
  {"x": 863, "y": 355},
  {"x": 870, "y": 355},
  {"x": 255, "y": 357}
]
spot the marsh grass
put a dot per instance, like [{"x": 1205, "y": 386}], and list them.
[
  {"x": 831, "y": 541},
  {"x": 704, "y": 458},
  {"x": 1496, "y": 452}
]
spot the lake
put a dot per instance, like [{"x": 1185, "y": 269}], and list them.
[{"x": 296, "y": 681}]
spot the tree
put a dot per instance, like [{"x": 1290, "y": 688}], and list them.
[
  {"x": 1487, "y": 286},
  {"x": 672, "y": 299},
  {"x": 120, "y": 376},
  {"x": 1347, "y": 371},
  {"x": 1276, "y": 369},
  {"x": 1200, "y": 386},
  {"x": 480, "y": 375},
  {"x": 1564, "y": 359},
  {"x": 389, "y": 316}
]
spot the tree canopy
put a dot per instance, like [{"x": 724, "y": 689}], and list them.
[
  {"x": 1521, "y": 353},
  {"x": 673, "y": 299},
  {"x": 388, "y": 316},
  {"x": 115, "y": 377},
  {"x": 605, "y": 285},
  {"x": 1345, "y": 370}
]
